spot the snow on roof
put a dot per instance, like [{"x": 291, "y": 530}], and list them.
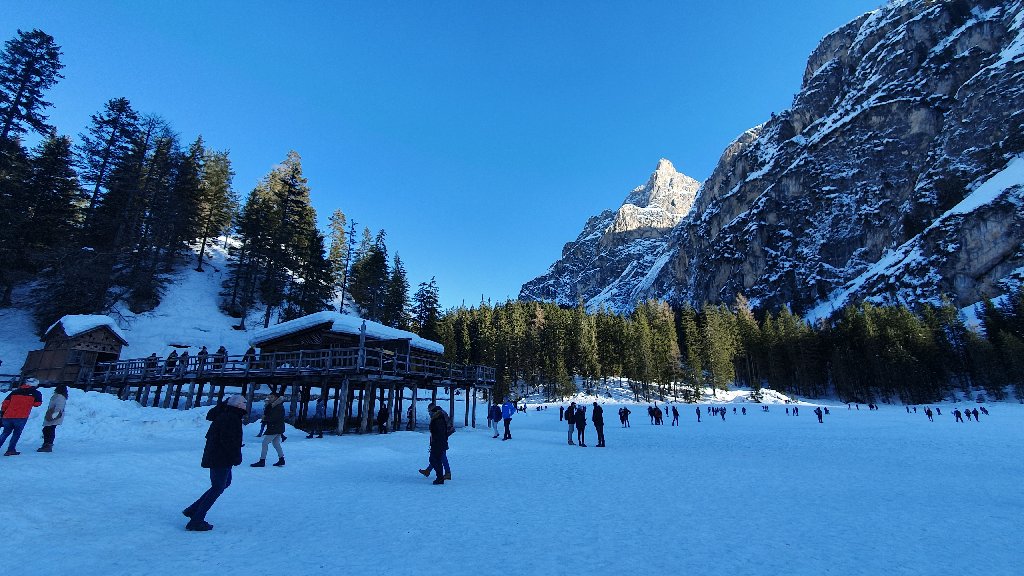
[
  {"x": 344, "y": 324},
  {"x": 75, "y": 324}
]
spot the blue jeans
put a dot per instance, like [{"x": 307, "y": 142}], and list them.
[
  {"x": 440, "y": 465},
  {"x": 12, "y": 428},
  {"x": 220, "y": 479}
]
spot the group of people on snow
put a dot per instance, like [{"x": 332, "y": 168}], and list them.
[
  {"x": 18, "y": 405},
  {"x": 576, "y": 417}
]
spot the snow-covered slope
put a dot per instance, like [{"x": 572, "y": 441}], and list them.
[
  {"x": 867, "y": 492},
  {"x": 188, "y": 317}
]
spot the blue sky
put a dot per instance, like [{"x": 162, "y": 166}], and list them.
[{"x": 480, "y": 135}]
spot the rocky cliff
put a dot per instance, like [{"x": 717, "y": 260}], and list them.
[{"x": 894, "y": 177}]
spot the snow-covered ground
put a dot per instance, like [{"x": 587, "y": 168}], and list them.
[{"x": 867, "y": 492}]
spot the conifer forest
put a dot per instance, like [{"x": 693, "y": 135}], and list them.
[{"x": 98, "y": 220}]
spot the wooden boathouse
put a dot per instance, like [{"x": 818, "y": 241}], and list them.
[
  {"x": 72, "y": 347},
  {"x": 357, "y": 365}
]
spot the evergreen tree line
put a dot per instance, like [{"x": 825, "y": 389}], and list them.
[
  {"x": 867, "y": 353},
  {"x": 103, "y": 222}
]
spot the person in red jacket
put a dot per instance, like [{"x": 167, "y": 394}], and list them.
[{"x": 15, "y": 410}]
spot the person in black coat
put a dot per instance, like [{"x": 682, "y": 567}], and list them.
[
  {"x": 223, "y": 450},
  {"x": 580, "y": 419},
  {"x": 598, "y": 418},
  {"x": 438, "y": 442},
  {"x": 382, "y": 419}
]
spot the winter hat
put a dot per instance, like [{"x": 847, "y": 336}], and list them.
[{"x": 236, "y": 401}]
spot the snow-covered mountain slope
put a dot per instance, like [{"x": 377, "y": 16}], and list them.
[
  {"x": 188, "y": 317},
  {"x": 617, "y": 248},
  {"x": 892, "y": 178}
]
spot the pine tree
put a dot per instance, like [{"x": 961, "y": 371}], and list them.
[
  {"x": 109, "y": 140},
  {"x": 29, "y": 65},
  {"x": 426, "y": 312},
  {"x": 217, "y": 202},
  {"x": 396, "y": 300},
  {"x": 15, "y": 203},
  {"x": 692, "y": 346},
  {"x": 338, "y": 254}
]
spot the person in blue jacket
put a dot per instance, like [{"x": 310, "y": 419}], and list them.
[{"x": 507, "y": 410}]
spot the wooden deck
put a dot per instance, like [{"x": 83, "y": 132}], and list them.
[{"x": 357, "y": 378}]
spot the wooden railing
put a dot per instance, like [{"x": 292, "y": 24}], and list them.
[{"x": 278, "y": 364}]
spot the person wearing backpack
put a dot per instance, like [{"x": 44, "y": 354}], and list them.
[
  {"x": 440, "y": 429},
  {"x": 507, "y": 410},
  {"x": 493, "y": 417}
]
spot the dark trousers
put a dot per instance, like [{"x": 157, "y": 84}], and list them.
[
  {"x": 49, "y": 434},
  {"x": 220, "y": 479},
  {"x": 580, "y": 433},
  {"x": 437, "y": 460},
  {"x": 600, "y": 434},
  {"x": 508, "y": 434},
  {"x": 13, "y": 428}
]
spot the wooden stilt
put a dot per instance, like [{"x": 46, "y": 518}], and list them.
[
  {"x": 473, "y": 423},
  {"x": 415, "y": 392},
  {"x": 199, "y": 395},
  {"x": 177, "y": 395},
  {"x": 465, "y": 421},
  {"x": 451, "y": 402},
  {"x": 392, "y": 425},
  {"x": 248, "y": 403},
  {"x": 343, "y": 412}
]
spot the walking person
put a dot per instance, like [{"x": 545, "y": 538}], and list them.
[
  {"x": 598, "y": 419},
  {"x": 223, "y": 451},
  {"x": 53, "y": 417},
  {"x": 449, "y": 426},
  {"x": 581, "y": 425},
  {"x": 818, "y": 413},
  {"x": 698, "y": 414},
  {"x": 675, "y": 416},
  {"x": 625, "y": 415},
  {"x": 493, "y": 418},
  {"x": 273, "y": 417},
  {"x": 15, "y": 410},
  {"x": 219, "y": 357},
  {"x": 382, "y": 419},
  {"x": 507, "y": 410},
  {"x": 438, "y": 443},
  {"x": 570, "y": 416},
  {"x": 319, "y": 415},
  {"x": 410, "y": 423}
]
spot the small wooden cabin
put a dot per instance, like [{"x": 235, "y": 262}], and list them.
[
  {"x": 72, "y": 347},
  {"x": 325, "y": 330}
]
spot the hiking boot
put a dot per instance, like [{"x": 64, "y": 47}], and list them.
[
  {"x": 12, "y": 453},
  {"x": 425, "y": 472},
  {"x": 187, "y": 513},
  {"x": 439, "y": 481},
  {"x": 280, "y": 461},
  {"x": 260, "y": 464},
  {"x": 571, "y": 443},
  {"x": 198, "y": 526},
  {"x": 447, "y": 475},
  {"x": 45, "y": 448},
  {"x": 283, "y": 438}
]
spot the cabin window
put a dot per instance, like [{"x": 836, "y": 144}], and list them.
[{"x": 74, "y": 356}]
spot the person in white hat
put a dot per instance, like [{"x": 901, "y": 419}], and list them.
[{"x": 223, "y": 450}]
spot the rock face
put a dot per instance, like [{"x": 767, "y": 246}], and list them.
[
  {"x": 894, "y": 177},
  {"x": 616, "y": 246}
]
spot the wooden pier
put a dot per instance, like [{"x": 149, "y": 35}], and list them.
[{"x": 355, "y": 380}]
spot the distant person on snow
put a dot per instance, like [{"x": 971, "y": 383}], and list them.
[
  {"x": 580, "y": 420},
  {"x": 561, "y": 413},
  {"x": 319, "y": 415},
  {"x": 273, "y": 417},
  {"x": 675, "y": 416},
  {"x": 15, "y": 410},
  {"x": 410, "y": 423},
  {"x": 819, "y": 414},
  {"x": 507, "y": 410},
  {"x": 625, "y": 416},
  {"x": 650, "y": 412},
  {"x": 53, "y": 417},
  {"x": 698, "y": 414},
  {"x": 172, "y": 362},
  {"x": 223, "y": 450},
  {"x": 494, "y": 418},
  {"x": 598, "y": 418},
  {"x": 439, "y": 443},
  {"x": 570, "y": 416},
  {"x": 382, "y": 419},
  {"x": 956, "y": 414}
]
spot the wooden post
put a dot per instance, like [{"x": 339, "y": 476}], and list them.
[
  {"x": 433, "y": 395},
  {"x": 248, "y": 403},
  {"x": 343, "y": 414},
  {"x": 451, "y": 403},
  {"x": 392, "y": 425},
  {"x": 293, "y": 403},
  {"x": 177, "y": 395},
  {"x": 415, "y": 393},
  {"x": 465, "y": 421},
  {"x": 190, "y": 400},
  {"x": 199, "y": 395},
  {"x": 474, "y": 407}
]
